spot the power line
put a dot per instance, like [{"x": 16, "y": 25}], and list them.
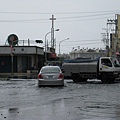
[
  {"x": 42, "y": 20},
  {"x": 92, "y": 15},
  {"x": 23, "y": 20},
  {"x": 84, "y": 19},
  {"x": 81, "y": 44},
  {"x": 83, "y": 40},
  {"x": 87, "y": 12},
  {"x": 68, "y": 19}
]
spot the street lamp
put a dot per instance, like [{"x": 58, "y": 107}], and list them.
[
  {"x": 46, "y": 45},
  {"x": 60, "y": 43}
]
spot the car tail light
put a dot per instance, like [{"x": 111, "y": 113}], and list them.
[
  {"x": 40, "y": 76},
  {"x": 60, "y": 76}
]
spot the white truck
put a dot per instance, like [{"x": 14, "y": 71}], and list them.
[{"x": 106, "y": 69}]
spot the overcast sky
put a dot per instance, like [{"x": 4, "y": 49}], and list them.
[{"x": 80, "y": 20}]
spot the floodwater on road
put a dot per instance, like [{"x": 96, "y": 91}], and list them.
[{"x": 22, "y": 99}]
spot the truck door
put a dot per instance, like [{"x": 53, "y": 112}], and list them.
[
  {"x": 106, "y": 66},
  {"x": 106, "y": 70}
]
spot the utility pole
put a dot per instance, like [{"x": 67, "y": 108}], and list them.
[
  {"x": 52, "y": 32},
  {"x": 113, "y": 42},
  {"x": 105, "y": 39},
  {"x": 105, "y": 36}
]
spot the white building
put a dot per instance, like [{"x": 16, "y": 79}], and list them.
[{"x": 87, "y": 53}]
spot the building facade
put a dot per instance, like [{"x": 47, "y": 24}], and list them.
[
  {"x": 20, "y": 58},
  {"x": 87, "y": 53}
]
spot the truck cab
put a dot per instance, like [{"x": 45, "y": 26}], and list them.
[{"x": 109, "y": 69}]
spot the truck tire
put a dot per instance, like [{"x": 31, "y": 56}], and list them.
[
  {"x": 104, "y": 78},
  {"x": 112, "y": 80},
  {"x": 76, "y": 77},
  {"x": 84, "y": 79}
]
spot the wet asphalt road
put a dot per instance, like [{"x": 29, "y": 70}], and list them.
[{"x": 22, "y": 99}]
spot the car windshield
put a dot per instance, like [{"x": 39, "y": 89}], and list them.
[{"x": 50, "y": 70}]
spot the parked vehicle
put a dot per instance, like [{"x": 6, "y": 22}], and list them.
[
  {"x": 50, "y": 75},
  {"x": 105, "y": 68}
]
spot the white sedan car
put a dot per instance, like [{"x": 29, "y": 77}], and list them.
[{"x": 50, "y": 75}]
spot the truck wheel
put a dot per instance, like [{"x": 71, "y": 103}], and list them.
[
  {"x": 84, "y": 79},
  {"x": 104, "y": 78},
  {"x": 112, "y": 80},
  {"x": 76, "y": 77}
]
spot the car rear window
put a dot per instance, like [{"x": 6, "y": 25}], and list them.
[{"x": 50, "y": 70}]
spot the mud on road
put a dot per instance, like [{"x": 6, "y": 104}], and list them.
[{"x": 22, "y": 99}]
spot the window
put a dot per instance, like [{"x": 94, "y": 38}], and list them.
[
  {"x": 115, "y": 62},
  {"x": 50, "y": 70},
  {"x": 106, "y": 62}
]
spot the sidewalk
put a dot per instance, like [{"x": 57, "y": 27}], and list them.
[{"x": 18, "y": 75}]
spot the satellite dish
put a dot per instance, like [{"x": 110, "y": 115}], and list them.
[{"x": 12, "y": 39}]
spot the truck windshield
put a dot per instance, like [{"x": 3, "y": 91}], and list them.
[
  {"x": 106, "y": 61},
  {"x": 115, "y": 62}
]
